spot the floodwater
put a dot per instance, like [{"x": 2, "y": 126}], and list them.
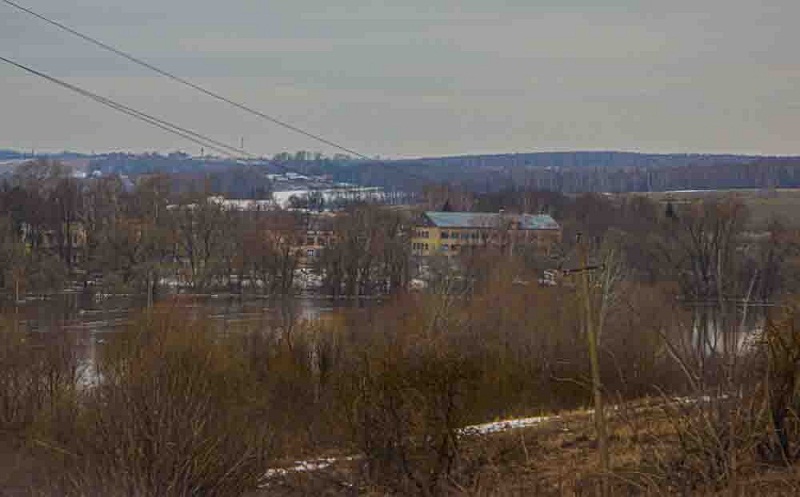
[
  {"x": 714, "y": 333},
  {"x": 91, "y": 317},
  {"x": 96, "y": 314}
]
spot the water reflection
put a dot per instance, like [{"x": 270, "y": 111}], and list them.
[
  {"x": 97, "y": 314},
  {"x": 90, "y": 317},
  {"x": 728, "y": 331}
]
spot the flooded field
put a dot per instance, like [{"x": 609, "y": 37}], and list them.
[
  {"x": 90, "y": 318},
  {"x": 94, "y": 314}
]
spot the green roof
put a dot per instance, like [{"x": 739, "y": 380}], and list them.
[{"x": 491, "y": 220}]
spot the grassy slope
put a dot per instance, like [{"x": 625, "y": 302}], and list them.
[{"x": 559, "y": 457}]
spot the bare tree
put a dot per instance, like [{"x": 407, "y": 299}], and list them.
[
  {"x": 370, "y": 252},
  {"x": 269, "y": 252}
]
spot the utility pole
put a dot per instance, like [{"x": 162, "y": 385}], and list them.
[{"x": 592, "y": 342}]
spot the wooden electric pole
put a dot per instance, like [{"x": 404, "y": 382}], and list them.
[{"x": 592, "y": 342}]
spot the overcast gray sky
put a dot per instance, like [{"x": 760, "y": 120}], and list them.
[{"x": 405, "y": 78}]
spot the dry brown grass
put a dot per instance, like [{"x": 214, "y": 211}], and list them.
[{"x": 559, "y": 457}]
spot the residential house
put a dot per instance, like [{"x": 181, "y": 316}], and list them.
[{"x": 318, "y": 235}]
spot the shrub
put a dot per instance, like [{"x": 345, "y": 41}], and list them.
[
  {"x": 409, "y": 399},
  {"x": 177, "y": 412},
  {"x": 38, "y": 375}
]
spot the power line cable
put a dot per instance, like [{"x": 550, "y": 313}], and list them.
[
  {"x": 184, "y": 81},
  {"x": 209, "y": 93},
  {"x": 185, "y": 133},
  {"x": 188, "y": 134}
]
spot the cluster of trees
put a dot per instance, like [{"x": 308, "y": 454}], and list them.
[
  {"x": 370, "y": 254},
  {"x": 37, "y": 227},
  {"x": 58, "y": 229}
]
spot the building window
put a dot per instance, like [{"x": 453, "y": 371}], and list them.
[{"x": 445, "y": 234}]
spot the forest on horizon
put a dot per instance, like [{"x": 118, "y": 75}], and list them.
[{"x": 565, "y": 172}]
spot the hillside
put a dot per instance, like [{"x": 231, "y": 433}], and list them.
[
  {"x": 556, "y": 171},
  {"x": 570, "y": 172}
]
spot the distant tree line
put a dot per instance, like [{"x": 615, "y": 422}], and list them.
[{"x": 567, "y": 172}]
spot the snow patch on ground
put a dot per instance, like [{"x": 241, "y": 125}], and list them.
[
  {"x": 325, "y": 463},
  {"x": 473, "y": 430},
  {"x": 499, "y": 426},
  {"x": 303, "y": 467}
]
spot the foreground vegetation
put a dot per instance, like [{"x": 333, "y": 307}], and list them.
[{"x": 171, "y": 406}]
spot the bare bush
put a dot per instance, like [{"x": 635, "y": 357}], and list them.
[
  {"x": 177, "y": 412},
  {"x": 746, "y": 423},
  {"x": 407, "y": 412},
  {"x": 38, "y": 375},
  {"x": 781, "y": 386}
]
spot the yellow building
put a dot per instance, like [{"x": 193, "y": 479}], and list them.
[{"x": 450, "y": 233}]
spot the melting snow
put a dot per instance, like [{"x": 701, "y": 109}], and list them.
[
  {"x": 481, "y": 429},
  {"x": 509, "y": 424}
]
